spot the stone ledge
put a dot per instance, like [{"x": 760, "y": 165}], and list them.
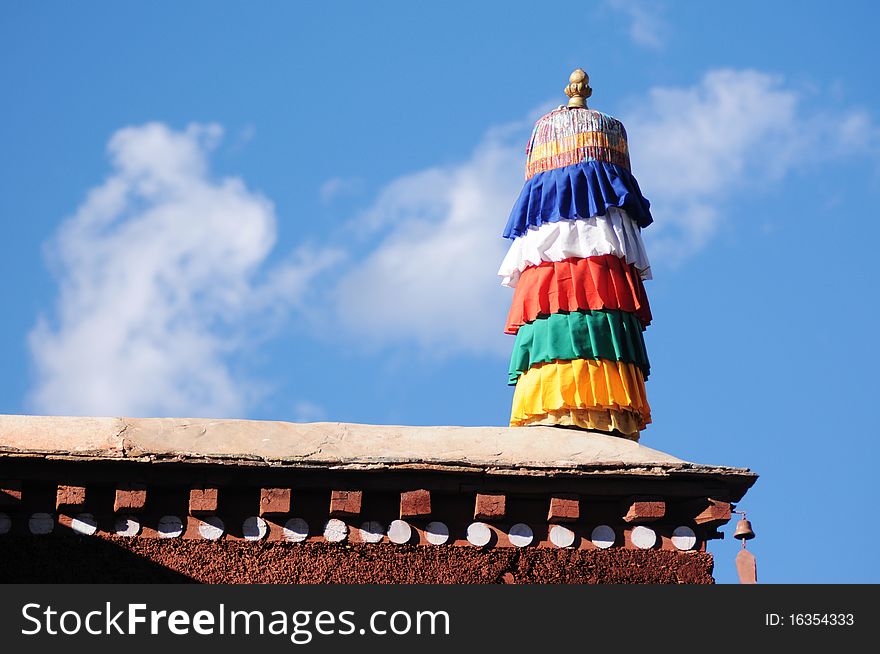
[{"x": 536, "y": 451}]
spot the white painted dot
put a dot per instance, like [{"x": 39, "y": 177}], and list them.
[
  {"x": 211, "y": 528},
  {"x": 399, "y": 532},
  {"x": 5, "y": 524},
  {"x": 41, "y": 523},
  {"x": 335, "y": 530},
  {"x": 254, "y": 528},
  {"x": 684, "y": 538},
  {"x": 479, "y": 534},
  {"x": 127, "y": 526},
  {"x": 643, "y": 537},
  {"x": 603, "y": 537},
  {"x": 170, "y": 526},
  {"x": 561, "y": 536},
  {"x": 437, "y": 533},
  {"x": 521, "y": 535},
  {"x": 372, "y": 531},
  {"x": 84, "y": 524},
  {"x": 296, "y": 530}
]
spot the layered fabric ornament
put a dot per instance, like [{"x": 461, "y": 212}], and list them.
[
  {"x": 603, "y": 282},
  {"x": 603, "y": 334},
  {"x": 577, "y": 264},
  {"x": 614, "y": 234}
]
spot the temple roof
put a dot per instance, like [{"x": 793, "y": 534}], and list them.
[{"x": 528, "y": 451}]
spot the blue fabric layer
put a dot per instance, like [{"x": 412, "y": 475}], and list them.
[{"x": 581, "y": 190}]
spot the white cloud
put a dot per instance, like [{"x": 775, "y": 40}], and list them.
[
  {"x": 158, "y": 269},
  {"x": 432, "y": 279},
  {"x": 646, "y": 27},
  {"x": 338, "y": 186},
  {"x": 305, "y": 411},
  {"x": 693, "y": 148}
]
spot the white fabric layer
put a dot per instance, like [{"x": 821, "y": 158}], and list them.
[{"x": 614, "y": 233}]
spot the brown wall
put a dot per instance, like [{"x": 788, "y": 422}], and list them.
[{"x": 67, "y": 558}]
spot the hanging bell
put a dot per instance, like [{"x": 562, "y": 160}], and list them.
[{"x": 744, "y": 530}]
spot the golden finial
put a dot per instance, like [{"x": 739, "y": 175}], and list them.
[{"x": 578, "y": 89}]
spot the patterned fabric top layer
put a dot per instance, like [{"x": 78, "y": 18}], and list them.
[{"x": 568, "y": 136}]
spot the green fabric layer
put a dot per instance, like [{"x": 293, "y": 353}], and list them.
[{"x": 598, "y": 334}]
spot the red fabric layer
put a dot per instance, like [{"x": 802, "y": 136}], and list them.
[{"x": 602, "y": 282}]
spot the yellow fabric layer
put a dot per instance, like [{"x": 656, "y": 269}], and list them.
[
  {"x": 576, "y": 148},
  {"x": 575, "y": 142},
  {"x": 579, "y": 384},
  {"x": 627, "y": 423}
]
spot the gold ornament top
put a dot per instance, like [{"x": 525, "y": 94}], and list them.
[{"x": 578, "y": 89}]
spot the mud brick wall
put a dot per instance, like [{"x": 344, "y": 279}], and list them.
[{"x": 72, "y": 558}]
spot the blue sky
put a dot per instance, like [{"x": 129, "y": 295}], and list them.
[{"x": 294, "y": 213}]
